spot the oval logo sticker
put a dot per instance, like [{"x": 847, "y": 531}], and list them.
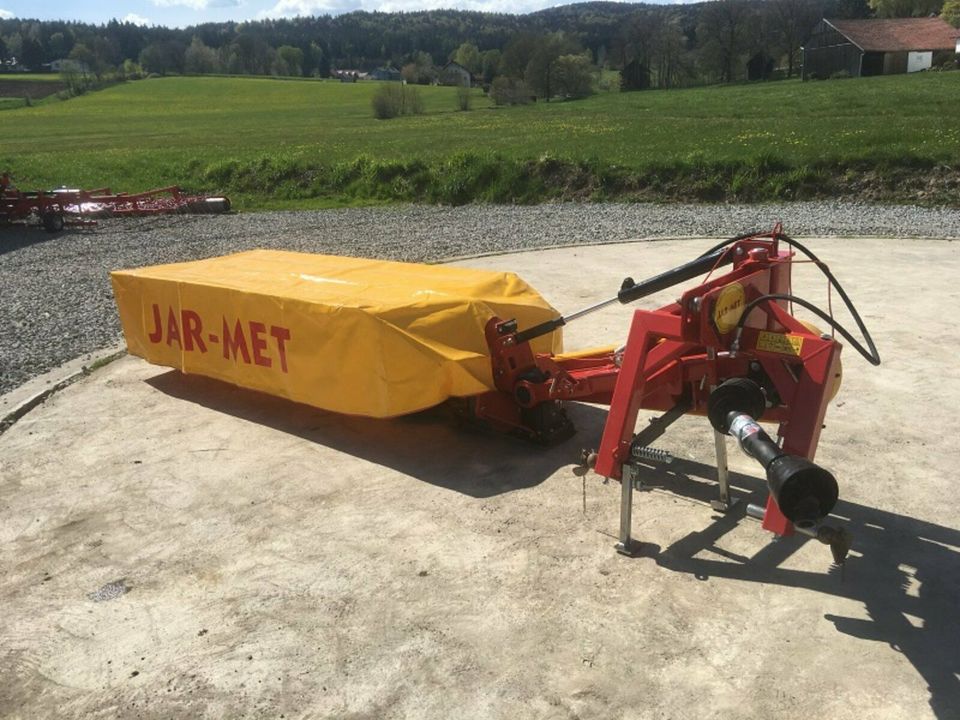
[{"x": 729, "y": 308}]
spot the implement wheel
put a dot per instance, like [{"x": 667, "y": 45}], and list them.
[{"x": 53, "y": 222}]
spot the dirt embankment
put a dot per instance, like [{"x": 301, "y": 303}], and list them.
[{"x": 33, "y": 89}]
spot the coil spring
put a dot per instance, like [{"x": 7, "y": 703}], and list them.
[{"x": 652, "y": 454}]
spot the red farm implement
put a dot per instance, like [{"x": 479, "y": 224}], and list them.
[{"x": 64, "y": 206}]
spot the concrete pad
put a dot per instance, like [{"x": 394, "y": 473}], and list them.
[{"x": 172, "y": 546}]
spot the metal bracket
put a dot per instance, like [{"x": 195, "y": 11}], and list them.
[
  {"x": 724, "y": 504},
  {"x": 629, "y": 475}
]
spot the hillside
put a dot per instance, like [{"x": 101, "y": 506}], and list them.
[{"x": 275, "y": 142}]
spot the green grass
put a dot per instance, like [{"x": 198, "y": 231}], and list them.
[
  {"x": 32, "y": 77},
  {"x": 297, "y": 143}
]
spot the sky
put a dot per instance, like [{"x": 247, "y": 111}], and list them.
[{"x": 181, "y": 13}]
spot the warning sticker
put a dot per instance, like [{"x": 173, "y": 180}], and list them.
[{"x": 779, "y": 343}]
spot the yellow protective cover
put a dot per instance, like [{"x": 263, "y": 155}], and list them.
[{"x": 365, "y": 337}]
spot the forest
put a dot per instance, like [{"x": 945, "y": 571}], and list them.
[{"x": 653, "y": 45}]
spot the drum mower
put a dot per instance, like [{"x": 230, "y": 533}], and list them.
[{"x": 383, "y": 339}]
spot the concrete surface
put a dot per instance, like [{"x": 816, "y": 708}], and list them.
[{"x": 175, "y": 547}]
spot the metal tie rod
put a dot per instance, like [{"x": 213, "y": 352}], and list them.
[{"x": 631, "y": 291}]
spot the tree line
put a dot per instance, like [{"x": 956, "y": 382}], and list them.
[{"x": 546, "y": 53}]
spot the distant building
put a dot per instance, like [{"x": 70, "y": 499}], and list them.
[
  {"x": 878, "y": 47},
  {"x": 760, "y": 66},
  {"x": 348, "y": 76},
  {"x": 386, "y": 73},
  {"x": 66, "y": 65},
  {"x": 455, "y": 74}
]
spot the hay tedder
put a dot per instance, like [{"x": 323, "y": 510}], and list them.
[
  {"x": 384, "y": 339},
  {"x": 55, "y": 209}
]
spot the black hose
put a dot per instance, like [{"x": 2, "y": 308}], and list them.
[{"x": 872, "y": 356}]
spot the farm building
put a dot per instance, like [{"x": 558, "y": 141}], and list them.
[
  {"x": 877, "y": 47},
  {"x": 386, "y": 73},
  {"x": 455, "y": 74}
]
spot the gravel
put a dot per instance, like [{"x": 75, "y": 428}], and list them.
[{"x": 57, "y": 303}]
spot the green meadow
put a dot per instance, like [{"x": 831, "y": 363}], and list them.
[{"x": 286, "y": 143}]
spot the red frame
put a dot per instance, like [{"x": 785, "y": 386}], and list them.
[
  {"x": 18, "y": 205},
  {"x": 677, "y": 350}
]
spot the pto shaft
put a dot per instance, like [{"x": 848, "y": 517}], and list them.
[{"x": 804, "y": 491}]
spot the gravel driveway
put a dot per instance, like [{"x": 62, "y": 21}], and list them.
[{"x": 57, "y": 303}]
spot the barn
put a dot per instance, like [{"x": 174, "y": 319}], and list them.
[
  {"x": 453, "y": 73},
  {"x": 877, "y": 47}
]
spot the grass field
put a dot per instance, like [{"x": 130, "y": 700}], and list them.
[{"x": 277, "y": 143}]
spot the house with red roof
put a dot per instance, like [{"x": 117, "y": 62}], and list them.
[{"x": 878, "y": 47}]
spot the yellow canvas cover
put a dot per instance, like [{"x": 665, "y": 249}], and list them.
[{"x": 365, "y": 337}]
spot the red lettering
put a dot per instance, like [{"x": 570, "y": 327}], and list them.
[
  {"x": 173, "y": 330},
  {"x": 281, "y": 334},
  {"x": 157, "y": 334},
  {"x": 235, "y": 342},
  {"x": 258, "y": 343},
  {"x": 192, "y": 327}
]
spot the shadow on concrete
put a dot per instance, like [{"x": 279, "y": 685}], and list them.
[
  {"x": 905, "y": 571},
  {"x": 478, "y": 464},
  {"x": 900, "y": 567}
]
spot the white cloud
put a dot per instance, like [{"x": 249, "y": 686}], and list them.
[
  {"x": 137, "y": 19},
  {"x": 300, "y": 8},
  {"x": 198, "y": 4},
  {"x": 6, "y": 14}
]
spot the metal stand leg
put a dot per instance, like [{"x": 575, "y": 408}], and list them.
[
  {"x": 723, "y": 475},
  {"x": 626, "y": 545}
]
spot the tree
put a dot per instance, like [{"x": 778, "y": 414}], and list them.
[
  {"x": 292, "y": 58},
  {"x": 846, "y": 9},
  {"x": 540, "y": 71},
  {"x": 248, "y": 55},
  {"x": 517, "y": 54},
  {"x": 420, "y": 70},
  {"x": 905, "y": 8},
  {"x": 723, "y": 30},
  {"x": 509, "y": 91},
  {"x": 163, "y": 57},
  {"x": 634, "y": 76},
  {"x": 131, "y": 70},
  {"x": 793, "y": 20},
  {"x": 200, "y": 59},
  {"x": 468, "y": 55},
  {"x": 393, "y": 99},
  {"x": 78, "y": 68},
  {"x": 31, "y": 53},
  {"x": 652, "y": 48},
  {"x": 951, "y": 12},
  {"x": 59, "y": 45},
  {"x": 490, "y": 65},
  {"x": 573, "y": 76},
  {"x": 107, "y": 53}
]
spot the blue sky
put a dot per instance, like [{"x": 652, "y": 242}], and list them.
[{"x": 180, "y": 13}]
